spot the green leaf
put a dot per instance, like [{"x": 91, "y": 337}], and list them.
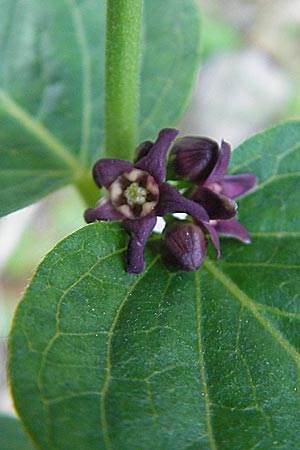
[
  {"x": 51, "y": 88},
  {"x": 218, "y": 35},
  {"x": 170, "y": 360},
  {"x": 171, "y": 53},
  {"x": 12, "y": 437}
]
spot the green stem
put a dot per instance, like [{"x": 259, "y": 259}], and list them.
[
  {"x": 88, "y": 190},
  {"x": 122, "y": 73}
]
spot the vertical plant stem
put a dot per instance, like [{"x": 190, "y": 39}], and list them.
[
  {"x": 122, "y": 71},
  {"x": 88, "y": 190}
]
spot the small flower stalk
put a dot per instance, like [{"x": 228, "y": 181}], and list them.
[{"x": 138, "y": 193}]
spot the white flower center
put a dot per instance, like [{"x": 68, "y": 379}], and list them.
[{"x": 134, "y": 194}]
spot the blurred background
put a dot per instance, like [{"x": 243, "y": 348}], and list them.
[{"x": 248, "y": 80}]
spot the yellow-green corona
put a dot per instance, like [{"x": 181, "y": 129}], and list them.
[{"x": 135, "y": 194}]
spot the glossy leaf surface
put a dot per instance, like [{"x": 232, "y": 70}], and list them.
[
  {"x": 170, "y": 360},
  {"x": 51, "y": 87}
]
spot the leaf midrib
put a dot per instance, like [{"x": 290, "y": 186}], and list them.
[
  {"x": 250, "y": 304},
  {"x": 104, "y": 390},
  {"x": 203, "y": 377},
  {"x": 86, "y": 78},
  {"x": 42, "y": 134}
]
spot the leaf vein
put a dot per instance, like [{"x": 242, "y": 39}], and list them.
[
  {"x": 262, "y": 264},
  {"x": 277, "y": 234},
  {"x": 34, "y": 172},
  {"x": 203, "y": 376},
  {"x": 258, "y": 407},
  {"x": 169, "y": 368},
  {"x": 86, "y": 78},
  {"x": 50, "y": 401},
  {"x": 60, "y": 300},
  {"x": 104, "y": 390},
  {"x": 234, "y": 169},
  {"x": 41, "y": 133},
  {"x": 159, "y": 101},
  {"x": 151, "y": 402},
  {"x": 277, "y": 311},
  {"x": 250, "y": 304},
  {"x": 276, "y": 177}
]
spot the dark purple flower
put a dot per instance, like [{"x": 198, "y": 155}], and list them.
[
  {"x": 196, "y": 159},
  {"x": 216, "y": 191},
  {"x": 137, "y": 194},
  {"x": 232, "y": 228},
  {"x": 193, "y": 158},
  {"x": 184, "y": 245},
  {"x": 232, "y": 187}
]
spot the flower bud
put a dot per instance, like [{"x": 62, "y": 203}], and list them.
[
  {"x": 142, "y": 150},
  {"x": 184, "y": 245},
  {"x": 193, "y": 158}
]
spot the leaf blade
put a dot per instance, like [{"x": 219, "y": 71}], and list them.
[
  {"x": 51, "y": 98},
  {"x": 174, "y": 33},
  {"x": 169, "y": 359}
]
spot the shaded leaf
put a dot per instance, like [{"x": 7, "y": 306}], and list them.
[
  {"x": 12, "y": 437},
  {"x": 170, "y": 359},
  {"x": 171, "y": 52},
  {"x": 51, "y": 87}
]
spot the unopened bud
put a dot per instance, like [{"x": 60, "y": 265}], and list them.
[
  {"x": 142, "y": 150},
  {"x": 184, "y": 245},
  {"x": 193, "y": 158}
]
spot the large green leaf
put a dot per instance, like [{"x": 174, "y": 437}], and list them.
[
  {"x": 51, "y": 87},
  {"x": 170, "y": 360},
  {"x": 12, "y": 436}
]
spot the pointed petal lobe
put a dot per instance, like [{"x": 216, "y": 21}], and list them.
[
  {"x": 142, "y": 150},
  {"x": 104, "y": 211},
  {"x": 217, "y": 206},
  {"x": 139, "y": 231},
  {"x": 232, "y": 228},
  {"x": 222, "y": 163},
  {"x": 155, "y": 160},
  {"x": 171, "y": 201},
  {"x": 235, "y": 186},
  {"x": 107, "y": 170},
  {"x": 214, "y": 237}
]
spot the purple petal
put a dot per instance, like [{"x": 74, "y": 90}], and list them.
[
  {"x": 214, "y": 237},
  {"x": 234, "y": 186},
  {"x": 222, "y": 163},
  {"x": 142, "y": 150},
  {"x": 171, "y": 201},
  {"x": 107, "y": 170},
  {"x": 232, "y": 228},
  {"x": 155, "y": 160},
  {"x": 139, "y": 231},
  {"x": 217, "y": 206},
  {"x": 105, "y": 211},
  {"x": 184, "y": 245},
  {"x": 193, "y": 158}
]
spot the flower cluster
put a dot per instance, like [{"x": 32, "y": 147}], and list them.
[{"x": 138, "y": 194}]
